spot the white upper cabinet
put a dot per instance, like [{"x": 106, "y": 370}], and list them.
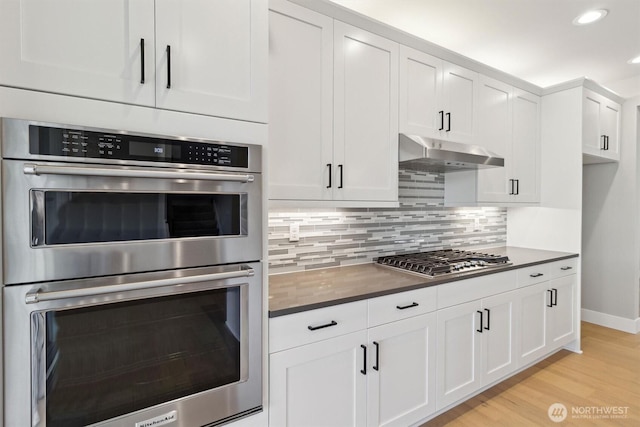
[
  {"x": 301, "y": 103},
  {"x": 600, "y": 128},
  {"x": 77, "y": 47},
  {"x": 437, "y": 99},
  {"x": 217, "y": 58},
  {"x": 333, "y": 108},
  {"x": 116, "y": 50},
  {"x": 365, "y": 124},
  {"x": 509, "y": 123}
]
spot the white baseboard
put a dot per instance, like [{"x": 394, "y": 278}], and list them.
[{"x": 610, "y": 321}]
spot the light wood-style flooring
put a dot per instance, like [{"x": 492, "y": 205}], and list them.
[{"x": 607, "y": 374}]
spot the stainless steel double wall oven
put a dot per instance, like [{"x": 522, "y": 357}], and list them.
[{"x": 132, "y": 277}]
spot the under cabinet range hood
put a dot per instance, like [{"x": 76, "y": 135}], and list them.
[{"x": 434, "y": 155}]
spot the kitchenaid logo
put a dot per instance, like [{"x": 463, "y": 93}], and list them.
[
  {"x": 558, "y": 412},
  {"x": 159, "y": 421}
]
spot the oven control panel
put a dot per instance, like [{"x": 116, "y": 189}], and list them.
[{"x": 47, "y": 140}]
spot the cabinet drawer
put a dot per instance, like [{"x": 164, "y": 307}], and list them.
[
  {"x": 532, "y": 275},
  {"x": 562, "y": 268},
  {"x": 475, "y": 288},
  {"x": 316, "y": 325},
  {"x": 401, "y": 305}
]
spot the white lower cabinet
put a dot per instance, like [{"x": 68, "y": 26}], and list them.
[
  {"x": 319, "y": 384},
  {"x": 398, "y": 359},
  {"x": 401, "y": 373},
  {"x": 548, "y": 318},
  {"x": 476, "y": 346},
  {"x": 381, "y": 376}
]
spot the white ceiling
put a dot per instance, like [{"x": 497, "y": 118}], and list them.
[{"x": 531, "y": 39}]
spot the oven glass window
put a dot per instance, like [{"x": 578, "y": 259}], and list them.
[
  {"x": 105, "y": 361},
  {"x": 91, "y": 217}
]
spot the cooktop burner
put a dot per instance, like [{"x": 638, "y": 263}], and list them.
[{"x": 444, "y": 262}]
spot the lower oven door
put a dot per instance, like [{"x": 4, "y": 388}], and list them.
[{"x": 179, "y": 349}]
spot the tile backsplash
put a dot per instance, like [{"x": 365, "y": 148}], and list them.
[{"x": 342, "y": 236}]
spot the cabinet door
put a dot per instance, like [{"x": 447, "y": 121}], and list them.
[
  {"x": 82, "y": 48},
  {"x": 532, "y": 322},
  {"x": 495, "y": 134},
  {"x": 402, "y": 371},
  {"x": 460, "y": 89},
  {"x": 365, "y": 115},
  {"x": 457, "y": 353},
  {"x": 217, "y": 64},
  {"x": 610, "y": 122},
  {"x": 561, "y": 323},
  {"x": 301, "y": 103},
  {"x": 420, "y": 93},
  {"x": 499, "y": 344},
  {"x": 525, "y": 152},
  {"x": 319, "y": 384},
  {"x": 600, "y": 128}
]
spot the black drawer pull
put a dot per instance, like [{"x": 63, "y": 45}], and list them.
[
  {"x": 536, "y": 275},
  {"x": 415, "y": 304},
  {"x": 376, "y": 367},
  {"x": 364, "y": 370},
  {"x": 566, "y": 268},
  {"x": 550, "y": 298},
  {"x": 315, "y": 328},
  {"x": 481, "y": 321}
]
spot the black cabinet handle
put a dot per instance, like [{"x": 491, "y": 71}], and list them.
[
  {"x": 604, "y": 142},
  {"x": 441, "y": 113},
  {"x": 512, "y": 191},
  {"x": 340, "y": 169},
  {"x": 488, "y": 327},
  {"x": 550, "y": 298},
  {"x": 168, "y": 67},
  {"x": 364, "y": 370},
  {"x": 448, "y": 122},
  {"x": 517, "y": 186},
  {"x": 141, "y": 61},
  {"x": 376, "y": 367},
  {"x": 536, "y": 275},
  {"x": 566, "y": 268},
  {"x": 315, "y": 328},
  {"x": 414, "y": 304},
  {"x": 329, "y": 166},
  {"x": 481, "y": 322},
  {"x": 554, "y": 295},
  {"x": 606, "y": 138}
]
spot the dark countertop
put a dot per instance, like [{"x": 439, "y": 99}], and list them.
[{"x": 307, "y": 290}]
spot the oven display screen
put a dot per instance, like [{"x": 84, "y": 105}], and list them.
[{"x": 153, "y": 150}]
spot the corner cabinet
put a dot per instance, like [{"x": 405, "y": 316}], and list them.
[
  {"x": 600, "y": 128},
  {"x": 184, "y": 55},
  {"x": 333, "y": 128},
  {"x": 437, "y": 99},
  {"x": 509, "y": 125}
]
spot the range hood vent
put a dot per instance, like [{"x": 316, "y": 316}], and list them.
[{"x": 433, "y": 155}]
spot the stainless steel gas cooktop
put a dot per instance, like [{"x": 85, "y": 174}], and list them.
[{"x": 445, "y": 262}]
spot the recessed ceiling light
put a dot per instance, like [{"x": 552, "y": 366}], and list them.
[
  {"x": 635, "y": 60},
  {"x": 590, "y": 16}
]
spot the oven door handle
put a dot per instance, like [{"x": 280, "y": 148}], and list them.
[
  {"x": 36, "y": 169},
  {"x": 37, "y": 295}
]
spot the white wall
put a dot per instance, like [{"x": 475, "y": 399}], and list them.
[
  {"x": 556, "y": 223},
  {"x": 611, "y": 237}
]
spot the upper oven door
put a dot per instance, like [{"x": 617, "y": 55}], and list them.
[{"x": 65, "y": 221}]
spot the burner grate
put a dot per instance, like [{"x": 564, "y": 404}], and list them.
[{"x": 442, "y": 262}]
